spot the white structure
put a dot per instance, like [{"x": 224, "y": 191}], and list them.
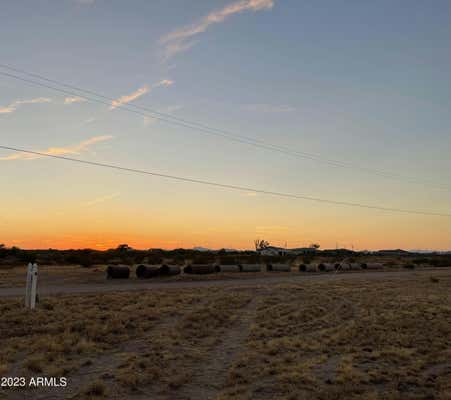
[
  {"x": 32, "y": 286},
  {"x": 280, "y": 251}
]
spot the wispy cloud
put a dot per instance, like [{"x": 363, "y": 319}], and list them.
[
  {"x": 60, "y": 151},
  {"x": 129, "y": 97},
  {"x": 164, "y": 82},
  {"x": 101, "y": 199},
  {"x": 72, "y": 100},
  {"x": 268, "y": 108},
  {"x": 173, "y": 48},
  {"x": 17, "y": 103},
  {"x": 7, "y": 110},
  {"x": 139, "y": 92},
  {"x": 181, "y": 40}
]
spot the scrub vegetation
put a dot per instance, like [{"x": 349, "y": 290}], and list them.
[{"x": 344, "y": 339}]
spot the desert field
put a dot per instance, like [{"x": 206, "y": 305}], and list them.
[
  {"x": 306, "y": 339},
  {"x": 52, "y": 276}
]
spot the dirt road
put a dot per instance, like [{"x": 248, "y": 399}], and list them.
[{"x": 131, "y": 285}]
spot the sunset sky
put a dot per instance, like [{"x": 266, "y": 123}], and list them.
[{"x": 363, "y": 82}]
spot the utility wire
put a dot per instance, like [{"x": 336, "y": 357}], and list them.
[
  {"x": 224, "y": 185},
  {"x": 206, "y": 128}
]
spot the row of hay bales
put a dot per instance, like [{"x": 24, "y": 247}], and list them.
[
  {"x": 146, "y": 271},
  {"x": 343, "y": 266},
  {"x": 143, "y": 271},
  {"x": 200, "y": 269}
]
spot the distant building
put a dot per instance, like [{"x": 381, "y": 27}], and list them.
[
  {"x": 272, "y": 251},
  {"x": 280, "y": 251}
]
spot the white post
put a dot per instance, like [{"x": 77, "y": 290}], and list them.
[
  {"x": 34, "y": 285},
  {"x": 28, "y": 285}
]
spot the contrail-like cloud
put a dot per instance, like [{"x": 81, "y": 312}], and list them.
[
  {"x": 138, "y": 93},
  {"x": 76, "y": 99},
  {"x": 60, "y": 151},
  {"x": 129, "y": 97},
  {"x": 17, "y": 103},
  {"x": 181, "y": 40}
]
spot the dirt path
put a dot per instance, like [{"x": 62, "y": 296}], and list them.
[
  {"x": 113, "y": 286},
  {"x": 210, "y": 377}
]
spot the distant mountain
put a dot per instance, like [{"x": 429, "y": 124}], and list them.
[
  {"x": 201, "y": 249},
  {"x": 204, "y": 249},
  {"x": 426, "y": 251}
]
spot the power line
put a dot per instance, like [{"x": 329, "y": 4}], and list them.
[
  {"x": 200, "y": 127},
  {"x": 224, "y": 185}
]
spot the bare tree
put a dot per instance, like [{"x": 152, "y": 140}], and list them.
[
  {"x": 315, "y": 246},
  {"x": 260, "y": 244},
  {"x": 123, "y": 248}
]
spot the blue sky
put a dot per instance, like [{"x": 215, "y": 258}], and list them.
[{"x": 364, "y": 82}]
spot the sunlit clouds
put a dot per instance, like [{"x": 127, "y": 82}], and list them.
[
  {"x": 164, "y": 82},
  {"x": 12, "y": 107},
  {"x": 76, "y": 99},
  {"x": 139, "y": 92},
  {"x": 15, "y": 105},
  {"x": 181, "y": 40},
  {"x": 60, "y": 151},
  {"x": 129, "y": 97}
]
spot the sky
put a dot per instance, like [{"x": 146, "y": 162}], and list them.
[{"x": 362, "y": 82}]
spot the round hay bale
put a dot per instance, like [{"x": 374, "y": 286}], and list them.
[
  {"x": 146, "y": 271},
  {"x": 168, "y": 270},
  {"x": 355, "y": 266},
  {"x": 308, "y": 268},
  {"x": 227, "y": 268},
  {"x": 250, "y": 267},
  {"x": 278, "y": 267},
  {"x": 326, "y": 267},
  {"x": 118, "y": 272},
  {"x": 199, "y": 269},
  {"x": 342, "y": 266}
]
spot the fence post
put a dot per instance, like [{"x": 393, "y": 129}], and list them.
[
  {"x": 28, "y": 285},
  {"x": 34, "y": 285}
]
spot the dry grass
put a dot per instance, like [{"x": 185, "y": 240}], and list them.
[
  {"x": 155, "y": 333},
  {"x": 168, "y": 355},
  {"x": 50, "y": 274},
  {"x": 65, "y": 329},
  {"x": 96, "y": 389},
  {"x": 382, "y": 340},
  {"x": 360, "y": 339}
]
